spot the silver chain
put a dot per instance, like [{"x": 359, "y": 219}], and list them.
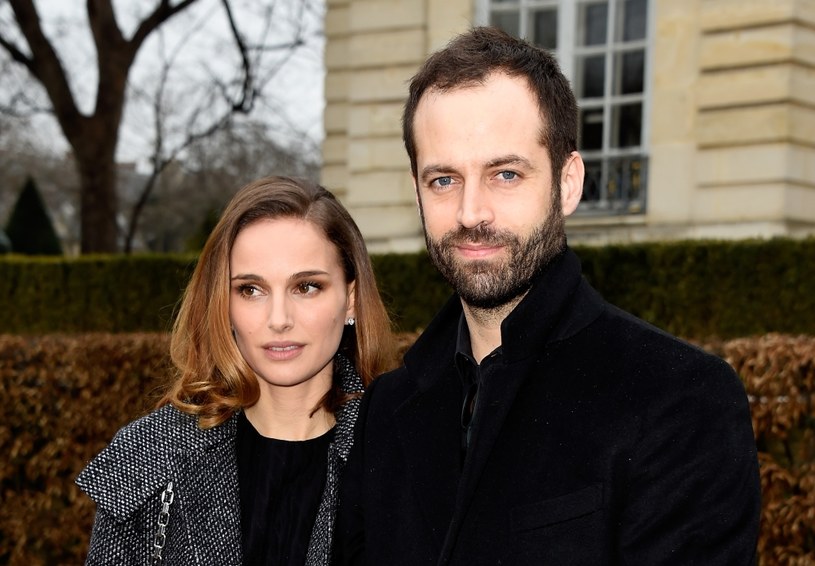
[{"x": 160, "y": 539}]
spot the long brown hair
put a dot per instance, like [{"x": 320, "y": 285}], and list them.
[{"x": 213, "y": 379}]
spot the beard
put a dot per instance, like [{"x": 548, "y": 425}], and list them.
[{"x": 489, "y": 284}]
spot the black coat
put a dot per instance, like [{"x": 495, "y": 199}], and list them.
[{"x": 603, "y": 441}]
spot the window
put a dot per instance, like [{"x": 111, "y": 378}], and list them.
[{"x": 602, "y": 47}]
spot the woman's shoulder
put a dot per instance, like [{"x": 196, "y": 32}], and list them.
[{"x": 138, "y": 461}]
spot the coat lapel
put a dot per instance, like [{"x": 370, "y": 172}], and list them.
[
  {"x": 429, "y": 432},
  {"x": 496, "y": 397},
  {"x": 212, "y": 472}
]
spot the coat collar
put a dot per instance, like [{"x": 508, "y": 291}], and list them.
[
  {"x": 346, "y": 416},
  {"x": 559, "y": 304}
]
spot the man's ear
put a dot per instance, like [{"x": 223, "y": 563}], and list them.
[
  {"x": 571, "y": 183},
  {"x": 418, "y": 198}
]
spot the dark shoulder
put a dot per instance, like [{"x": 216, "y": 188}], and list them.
[
  {"x": 652, "y": 358},
  {"x": 633, "y": 334},
  {"x": 394, "y": 383}
]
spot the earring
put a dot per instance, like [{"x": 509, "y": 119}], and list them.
[{"x": 350, "y": 321}]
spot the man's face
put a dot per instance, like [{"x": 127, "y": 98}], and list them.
[{"x": 490, "y": 207}]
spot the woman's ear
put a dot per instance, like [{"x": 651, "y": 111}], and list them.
[
  {"x": 351, "y": 311},
  {"x": 571, "y": 183}
]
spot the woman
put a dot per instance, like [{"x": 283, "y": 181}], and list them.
[{"x": 279, "y": 330}]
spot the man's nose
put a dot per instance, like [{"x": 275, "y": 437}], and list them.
[{"x": 475, "y": 206}]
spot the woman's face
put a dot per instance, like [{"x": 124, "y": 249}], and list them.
[{"x": 288, "y": 303}]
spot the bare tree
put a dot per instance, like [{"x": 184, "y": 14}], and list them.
[
  {"x": 192, "y": 191},
  {"x": 93, "y": 135},
  {"x": 172, "y": 140}
]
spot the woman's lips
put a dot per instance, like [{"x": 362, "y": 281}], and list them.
[{"x": 282, "y": 351}]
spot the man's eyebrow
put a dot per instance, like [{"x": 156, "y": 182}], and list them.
[
  {"x": 431, "y": 170},
  {"x": 509, "y": 160}
]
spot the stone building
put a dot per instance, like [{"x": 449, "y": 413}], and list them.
[{"x": 697, "y": 116}]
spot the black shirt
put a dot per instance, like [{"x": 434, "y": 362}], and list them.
[
  {"x": 471, "y": 374},
  {"x": 281, "y": 484}
]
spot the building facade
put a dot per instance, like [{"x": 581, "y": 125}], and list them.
[{"x": 697, "y": 117}]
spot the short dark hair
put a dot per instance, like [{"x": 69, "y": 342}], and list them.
[{"x": 470, "y": 58}]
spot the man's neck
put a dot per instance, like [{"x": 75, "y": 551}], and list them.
[{"x": 485, "y": 326}]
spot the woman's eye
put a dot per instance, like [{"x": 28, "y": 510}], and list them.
[
  {"x": 308, "y": 287},
  {"x": 248, "y": 290}
]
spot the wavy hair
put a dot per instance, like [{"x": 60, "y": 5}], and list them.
[{"x": 213, "y": 379}]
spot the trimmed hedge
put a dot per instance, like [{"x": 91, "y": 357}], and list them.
[
  {"x": 91, "y": 293},
  {"x": 65, "y": 397},
  {"x": 711, "y": 289},
  {"x": 693, "y": 288}
]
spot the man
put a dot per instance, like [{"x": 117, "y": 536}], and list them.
[{"x": 533, "y": 423}]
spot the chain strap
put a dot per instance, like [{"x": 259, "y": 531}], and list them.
[{"x": 160, "y": 539}]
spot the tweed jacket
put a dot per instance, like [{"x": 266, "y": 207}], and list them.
[
  {"x": 165, "y": 482},
  {"x": 597, "y": 439}
]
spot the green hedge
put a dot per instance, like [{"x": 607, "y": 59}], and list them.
[
  {"x": 711, "y": 289},
  {"x": 91, "y": 293},
  {"x": 691, "y": 288}
]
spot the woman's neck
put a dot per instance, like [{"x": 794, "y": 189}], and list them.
[{"x": 286, "y": 414}]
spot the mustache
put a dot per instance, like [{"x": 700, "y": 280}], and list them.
[{"x": 481, "y": 234}]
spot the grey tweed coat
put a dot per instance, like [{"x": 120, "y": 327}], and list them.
[{"x": 201, "y": 523}]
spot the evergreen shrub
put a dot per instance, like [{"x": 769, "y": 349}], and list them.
[{"x": 29, "y": 226}]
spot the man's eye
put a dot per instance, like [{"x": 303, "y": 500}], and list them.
[
  {"x": 508, "y": 175},
  {"x": 443, "y": 181}
]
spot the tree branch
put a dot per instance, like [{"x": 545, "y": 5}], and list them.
[
  {"x": 163, "y": 12},
  {"x": 43, "y": 63},
  {"x": 248, "y": 92},
  {"x": 104, "y": 28},
  {"x": 16, "y": 54}
]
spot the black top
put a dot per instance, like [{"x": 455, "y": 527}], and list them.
[{"x": 281, "y": 484}]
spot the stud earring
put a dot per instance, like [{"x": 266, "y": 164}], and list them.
[{"x": 350, "y": 321}]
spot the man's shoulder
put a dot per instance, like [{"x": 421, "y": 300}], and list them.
[
  {"x": 630, "y": 332},
  {"x": 395, "y": 383},
  {"x": 646, "y": 353}
]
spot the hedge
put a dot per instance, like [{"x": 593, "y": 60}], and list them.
[
  {"x": 91, "y": 293},
  {"x": 694, "y": 288},
  {"x": 65, "y": 396}
]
